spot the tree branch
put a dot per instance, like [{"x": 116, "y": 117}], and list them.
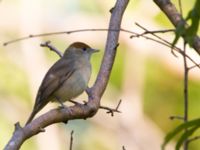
[
  {"x": 176, "y": 19},
  {"x": 94, "y": 94}
]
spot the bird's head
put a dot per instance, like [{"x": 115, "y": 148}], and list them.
[{"x": 79, "y": 49}]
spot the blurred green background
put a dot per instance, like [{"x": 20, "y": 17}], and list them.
[{"x": 146, "y": 76}]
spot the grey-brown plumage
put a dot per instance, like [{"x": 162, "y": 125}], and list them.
[{"x": 67, "y": 78}]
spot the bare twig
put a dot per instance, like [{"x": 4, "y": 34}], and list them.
[
  {"x": 176, "y": 117},
  {"x": 111, "y": 110},
  {"x": 64, "y": 32},
  {"x": 51, "y": 47},
  {"x": 158, "y": 37},
  {"x": 194, "y": 66},
  {"x": 193, "y": 139},
  {"x": 186, "y": 71},
  {"x": 153, "y": 32},
  {"x": 71, "y": 140},
  {"x": 165, "y": 43},
  {"x": 94, "y": 94}
]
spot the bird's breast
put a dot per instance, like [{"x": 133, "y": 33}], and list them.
[{"x": 75, "y": 84}]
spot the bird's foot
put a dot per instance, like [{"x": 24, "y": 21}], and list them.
[
  {"x": 74, "y": 102},
  {"x": 62, "y": 106}
]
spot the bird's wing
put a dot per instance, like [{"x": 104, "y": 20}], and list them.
[{"x": 54, "y": 78}]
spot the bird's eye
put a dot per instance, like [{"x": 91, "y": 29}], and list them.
[{"x": 84, "y": 49}]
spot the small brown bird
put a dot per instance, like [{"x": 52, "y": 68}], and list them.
[{"x": 66, "y": 79}]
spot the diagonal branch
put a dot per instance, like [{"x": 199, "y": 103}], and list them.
[
  {"x": 176, "y": 19},
  {"x": 78, "y": 111}
]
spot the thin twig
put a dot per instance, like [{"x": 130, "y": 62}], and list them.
[
  {"x": 120, "y": 101},
  {"x": 111, "y": 110},
  {"x": 194, "y": 66},
  {"x": 64, "y": 32},
  {"x": 153, "y": 31},
  {"x": 158, "y": 37},
  {"x": 185, "y": 144},
  {"x": 123, "y": 148},
  {"x": 176, "y": 117},
  {"x": 193, "y": 139},
  {"x": 51, "y": 47},
  {"x": 71, "y": 140},
  {"x": 170, "y": 46},
  {"x": 165, "y": 43}
]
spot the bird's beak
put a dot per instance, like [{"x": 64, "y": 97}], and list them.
[{"x": 94, "y": 50}]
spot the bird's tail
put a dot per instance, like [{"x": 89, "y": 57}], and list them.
[
  {"x": 37, "y": 107},
  {"x": 34, "y": 112}
]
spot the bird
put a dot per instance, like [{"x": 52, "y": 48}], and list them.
[{"x": 66, "y": 79}]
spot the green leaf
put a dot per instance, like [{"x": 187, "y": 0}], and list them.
[
  {"x": 185, "y": 136},
  {"x": 178, "y": 129},
  {"x": 180, "y": 31},
  {"x": 190, "y": 31},
  {"x": 194, "y": 16}
]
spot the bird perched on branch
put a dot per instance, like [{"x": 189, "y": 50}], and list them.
[{"x": 66, "y": 79}]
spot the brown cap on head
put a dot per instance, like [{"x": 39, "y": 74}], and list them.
[{"x": 79, "y": 45}]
